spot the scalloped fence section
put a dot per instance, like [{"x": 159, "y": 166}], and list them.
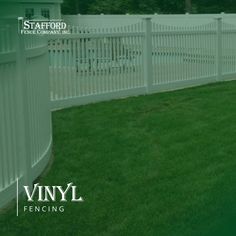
[
  {"x": 146, "y": 56},
  {"x": 25, "y": 119}
]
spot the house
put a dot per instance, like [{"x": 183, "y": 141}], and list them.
[{"x": 30, "y": 8}]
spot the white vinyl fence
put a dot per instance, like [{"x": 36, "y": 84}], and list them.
[
  {"x": 92, "y": 64},
  {"x": 25, "y": 122},
  {"x": 89, "y": 63}
]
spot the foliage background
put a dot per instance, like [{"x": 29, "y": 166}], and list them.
[{"x": 147, "y": 6}]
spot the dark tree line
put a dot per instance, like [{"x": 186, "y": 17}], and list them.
[{"x": 147, "y": 6}]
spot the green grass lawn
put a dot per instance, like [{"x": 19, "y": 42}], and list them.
[{"x": 161, "y": 165}]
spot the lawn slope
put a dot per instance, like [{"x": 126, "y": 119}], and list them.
[{"x": 162, "y": 164}]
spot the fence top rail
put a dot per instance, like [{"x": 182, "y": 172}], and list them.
[
  {"x": 180, "y": 20},
  {"x": 141, "y": 34},
  {"x": 95, "y": 35}
]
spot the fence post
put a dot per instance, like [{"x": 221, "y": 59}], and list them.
[
  {"x": 219, "y": 59},
  {"x": 147, "y": 54},
  {"x": 22, "y": 109}
]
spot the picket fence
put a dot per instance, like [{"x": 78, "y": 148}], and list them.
[
  {"x": 25, "y": 122},
  {"x": 93, "y": 64}
]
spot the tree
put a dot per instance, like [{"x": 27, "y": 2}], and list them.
[
  {"x": 76, "y": 6},
  {"x": 188, "y": 6},
  {"x": 215, "y": 6},
  {"x": 147, "y": 6}
]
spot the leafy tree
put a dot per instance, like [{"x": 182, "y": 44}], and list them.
[
  {"x": 215, "y": 6},
  {"x": 147, "y": 6},
  {"x": 76, "y": 6},
  {"x": 108, "y": 7}
]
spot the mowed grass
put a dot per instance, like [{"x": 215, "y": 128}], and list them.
[{"x": 161, "y": 165}]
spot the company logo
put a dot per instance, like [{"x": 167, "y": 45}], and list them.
[
  {"x": 39, "y": 196},
  {"x": 42, "y": 26}
]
